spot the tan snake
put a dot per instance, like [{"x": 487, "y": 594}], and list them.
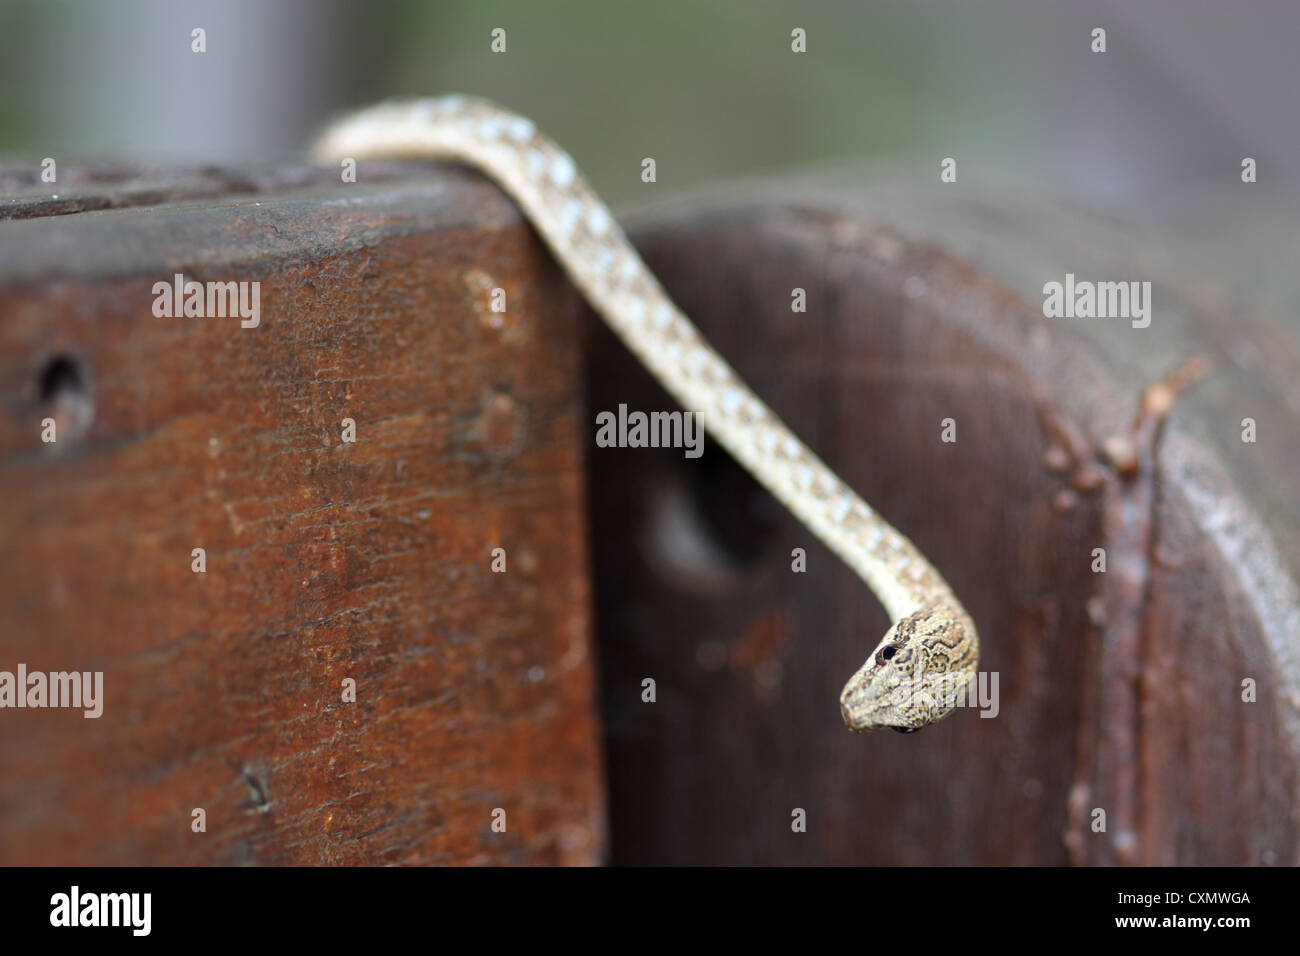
[{"x": 919, "y": 671}]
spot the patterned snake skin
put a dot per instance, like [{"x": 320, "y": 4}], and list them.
[{"x": 919, "y": 671}]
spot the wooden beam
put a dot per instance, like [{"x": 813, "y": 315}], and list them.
[
  {"x": 1119, "y": 691},
  {"x": 326, "y": 560}
]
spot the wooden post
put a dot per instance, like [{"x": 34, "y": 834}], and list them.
[
  {"x": 1125, "y": 691},
  {"x": 1118, "y": 691},
  {"x": 325, "y": 562}
]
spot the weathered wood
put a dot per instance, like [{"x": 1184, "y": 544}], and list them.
[
  {"x": 325, "y": 560},
  {"x": 1119, "y": 691}
]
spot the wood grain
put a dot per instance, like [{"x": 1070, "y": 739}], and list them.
[
  {"x": 325, "y": 560},
  {"x": 1119, "y": 691}
]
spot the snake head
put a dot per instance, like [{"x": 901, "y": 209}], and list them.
[{"x": 918, "y": 674}]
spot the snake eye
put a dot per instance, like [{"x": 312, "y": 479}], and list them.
[{"x": 886, "y": 653}]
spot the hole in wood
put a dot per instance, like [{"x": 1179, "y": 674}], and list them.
[
  {"x": 65, "y": 396},
  {"x": 711, "y": 523},
  {"x": 736, "y": 509}
]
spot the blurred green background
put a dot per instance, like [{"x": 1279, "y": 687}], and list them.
[{"x": 711, "y": 89}]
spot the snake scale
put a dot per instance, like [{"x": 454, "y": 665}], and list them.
[{"x": 919, "y": 670}]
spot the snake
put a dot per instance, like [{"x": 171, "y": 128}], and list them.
[{"x": 920, "y": 670}]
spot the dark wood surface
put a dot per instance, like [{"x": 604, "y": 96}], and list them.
[
  {"x": 368, "y": 560},
  {"x": 1118, "y": 691}
]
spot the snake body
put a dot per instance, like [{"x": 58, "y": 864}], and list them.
[{"x": 919, "y": 670}]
